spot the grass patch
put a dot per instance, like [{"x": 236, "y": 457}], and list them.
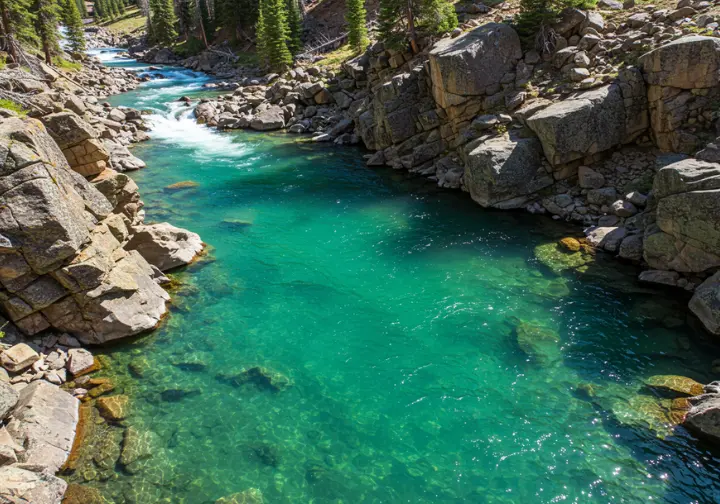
[
  {"x": 334, "y": 59},
  {"x": 3, "y": 61},
  {"x": 15, "y": 107},
  {"x": 189, "y": 47},
  {"x": 130, "y": 22},
  {"x": 64, "y": 64}
]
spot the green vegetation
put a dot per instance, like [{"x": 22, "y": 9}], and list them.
[
  {"x": 402, "y": 21},
  {"x": 357, "y": 30},
  {"x": 163, "y": 21},
  {"x": 273, "y": 34},
  {"x": 73, "y": 22},
  {"x": 46, "y": 22},
  {"x": 15, "y": 107},
  {"x": 334, "y": 59},
  {"x": 64, "y": 64}
]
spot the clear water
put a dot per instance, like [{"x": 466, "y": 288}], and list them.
[{"x": 393, "y": 308}]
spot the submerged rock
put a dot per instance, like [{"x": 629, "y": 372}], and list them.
[
  {"x": 674, "y": 385},
  {"x": 560, "y": 258},
  {"x": 82, "y": 494},
  {"x": 259, "y": 376},
  {"x": 136, "y": 446},
  {"x": 538, "y": 342},
  {"x": 249, "y": 496},
  {"x": 185, "y": 184},
  {"x": 113, "y": 407}
]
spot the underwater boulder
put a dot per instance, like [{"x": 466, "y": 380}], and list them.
[
  {"x": 673, "y": 385},
  {"x": 538, "y": 342},
  {"x": 261, "y": 377},
  {"x": 249, "y": 496}
]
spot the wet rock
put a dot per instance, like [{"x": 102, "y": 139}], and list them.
[
  {"x": 177, "y": 395},
  {"x": 185, "y": 184},
  {"x": 114, "y": 407},
  {"x": 540, "y": 343},
  {"x": 560, "y": 260},
  {"x": 82, "y": 494},
  {"x": 18, "y": 358},
  {"x": 249, "y": 496},
  {"x": 136, "y": 446},
  {"x": 259, "y": 376},
  {"x": 674, "y": 386},
  {"x": 165, "y": 246}
]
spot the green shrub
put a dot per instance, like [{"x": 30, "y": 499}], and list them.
[
  {"x": 536, "y": 17},
  {"x": 15, "y": 107}
]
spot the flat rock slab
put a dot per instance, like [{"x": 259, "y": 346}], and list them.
[
  {"x": 44, "y": 422},
  {"x": 8, "y": 399},
  {"x": 18, "y": 357},
  {"x": 20, "y": 486},
  {"x": 79, "y": 361}
]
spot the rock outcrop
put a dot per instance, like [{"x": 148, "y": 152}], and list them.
[
  {"x": 80, "y": 143},
  {"x": 63, "y": 261},
  {"x": 165, "y": 246},
  {"x": 704, "y": 415}
]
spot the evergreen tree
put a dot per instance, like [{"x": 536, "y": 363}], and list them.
[
  {"x": 82, "y": 8},
  {"x": 261, "y": 36},
  {"x": 73, "y": 23},
  {"x": 163, "y": 21},
  {"x": 121, "y": 7},
  {"x": 295, "y": 28},
  {"x": 206, "y": 24},
  {"x": 113, "y": 7},
  {"x": 186, "y": 10},
  {"x": 98, "y": 10},
  {"x": 274, "y": 34},
  {"x": 17, "y": 24},
  {"x": 46, "y": 22},
  {"x": 357, "y": 30},
  {"x": 401, "y": 20}
]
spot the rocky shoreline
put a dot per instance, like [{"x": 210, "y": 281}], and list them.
[
  {"x": 614, "y": 130},
  {"x": 79, "y": 266}
]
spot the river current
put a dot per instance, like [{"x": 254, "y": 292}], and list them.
[{"x": 397, "y": 343}]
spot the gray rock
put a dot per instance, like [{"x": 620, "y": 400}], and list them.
[
  {"x": 501, "y": 172},
  {"x": 587, "y": 123},
  {"x": 589, "y": 178},
  {"x": 603, "y": 196},
  {"x": 686, "y": 63},
  {"x": 631, "y": 248},
  {"x": 79, "y": 361},
  {"x": 704, "y": 415},
  {"x": 8, "y": 399},
  {"x": 608, "y": 238},
  {"x": 165, "y": 246},
  {"x": 705, "y": 303},
  {"x": 272, "y": 118},
  {"x": 469, "y": 64},
  {"x": 623, "y": 208}
]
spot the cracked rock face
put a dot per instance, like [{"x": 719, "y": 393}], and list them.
[{"x": 62, "y": 261}]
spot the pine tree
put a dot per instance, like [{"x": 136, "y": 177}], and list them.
[
  {"x": 206, "y": 24},
  {"x": 186, "y": 10},
  {"x": 98, "y": 13},
  {"x": 17, "y": 25},
  {"x": 114, "y": 8},
  {"x": 82, "y": 8},
  {"x": 402, "y": 20},
  {"x": 46, "y": 24},
  {"x": 357, "y": 31},
  {"x": 163, "y": 21},
  {"x": 73, "y": 23},
  {"x": 121, "y": 7},
  {"x": 261, "y": 36},
  {"x": 536, "y": 16},
  {"x": 273, "y": 34},
  {"x": 294, "y": 22}
]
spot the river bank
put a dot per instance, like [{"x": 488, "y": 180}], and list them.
[{"x": 362, "y": 334}]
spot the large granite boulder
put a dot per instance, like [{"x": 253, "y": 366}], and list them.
[
  {"x": 272, "y": 118},
  {"x": 121, "y": 191},
  {"x": 22, "y": 486},
  {"x": 165, "y": 246},
  {"x": 121, "y": 159},
  {"x": 683, "y": 78},
  {"x": 503, "y": 171},
  {"x": 584, "y": 124},
  {"x": 686, "y": 236},
  {"x": 704, "y": 415},
  {"x": 79, "y": 141},
  {"x": 705, "y": 303},
  {"x": 44, "y": 422},
  {"x": 473, "y": 63},
  {"x": 62, "y": 261},
  {"x": 686, "y": 63}
]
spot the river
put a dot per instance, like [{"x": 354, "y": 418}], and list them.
[{"x": 406, "y": 346}]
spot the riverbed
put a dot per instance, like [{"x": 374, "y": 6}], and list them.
[{"x": 397, "y": 343}]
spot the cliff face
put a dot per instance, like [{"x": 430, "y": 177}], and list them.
[{"x": 63, "y": 261}]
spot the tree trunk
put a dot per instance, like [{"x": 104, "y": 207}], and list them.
[
  {"x": 7, "y": 31},
  {"x": 412, "y": 35},
  {"x": 202, "y": 27}
]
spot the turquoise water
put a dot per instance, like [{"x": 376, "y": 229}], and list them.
[{"x": 387, "y": 314}]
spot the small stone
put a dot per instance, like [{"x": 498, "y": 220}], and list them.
[
  {"x": 18, "y": 357},
  {"x": 579, "y": 74},
  {"x": 623, "y": 208},
  {"x": 636, "y": 198},
  {"x": 589, "y": 178},
  {"x": 80, "y": 361}
]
